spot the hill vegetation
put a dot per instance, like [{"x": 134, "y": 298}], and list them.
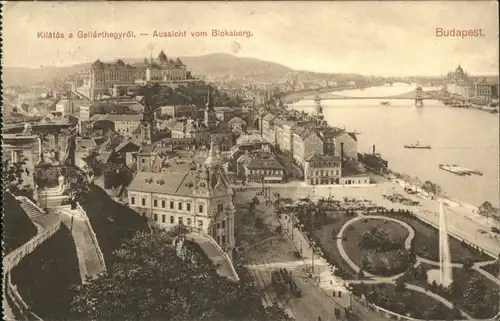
[
  {"x": 19, "y": 227},
  {"x": 46, "y": 278},
  {"x": 151, "y": 280}
]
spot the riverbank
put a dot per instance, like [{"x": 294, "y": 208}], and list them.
[
  {"x": 472, "y": 211},
  {"x": 489, "y": 109}
]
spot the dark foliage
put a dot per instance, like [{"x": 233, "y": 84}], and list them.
[
  {"x": 405, "y": 302},
  {"x": 47, "y": 276},
  {"x": 18, "y": 227},
  {"x": 151, "y": 281},
  {"x": 112, "y": 222}
]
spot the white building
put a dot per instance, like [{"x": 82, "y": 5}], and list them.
[
  {"x": 201, "y": 200},
  {"x": 84, "y": 113},
  {"x": 65, "y": 106}
]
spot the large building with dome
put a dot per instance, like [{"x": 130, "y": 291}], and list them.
[{"x": 459, "y": 83}]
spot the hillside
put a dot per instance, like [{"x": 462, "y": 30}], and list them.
[
  {"x": 217, "y": 65},
  {"x": 224, "y": 65},
  {"x": 19, "y": 228}
]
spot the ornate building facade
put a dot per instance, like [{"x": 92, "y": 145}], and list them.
[
  {"x": 100, "y": 78},
  {"x": 200, "y": 199},
  {"x": 164, "y": 70}
]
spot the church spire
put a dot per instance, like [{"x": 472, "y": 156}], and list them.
[{"x": 209, "y": 104}]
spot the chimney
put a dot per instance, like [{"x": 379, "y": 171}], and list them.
[{"x": 373, "y": 152}]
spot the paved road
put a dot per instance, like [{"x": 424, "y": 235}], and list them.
[
  {"x": 325, "y": 282},
  {"x": 87, "y": 253},
  {"x": 224, "y": 268}
]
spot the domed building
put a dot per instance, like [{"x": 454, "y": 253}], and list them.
[
  {"x": 459, "y": 84},
  {"x": 459, "y": 75},
  {"x": 164, "y": 69}
]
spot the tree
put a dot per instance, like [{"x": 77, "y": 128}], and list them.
[
  {"x": 77, "y": 183},
  {"x": 400, "y": 284},
  {"x": 12, "y": 176},
  {"x": 432, "y": 188},
  {"x": 417, "y": 183},
  {"x": 427, "y": 187},
  {"x": 437, "y": 190},
  {"x": 486, "y": 209},
  {"x": 405, "y": 177},
  {"x": 467, "y": 263},
  {"x": 151, "y": 281}
]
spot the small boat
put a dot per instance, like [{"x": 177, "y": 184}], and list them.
[
  {"x": 418, "y": 146},
  {"x": 385, "y": 103}
]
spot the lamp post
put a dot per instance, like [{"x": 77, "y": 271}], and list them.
[
  {"x": 46, "y": 190},
  {"x": 311, "y": 217}
]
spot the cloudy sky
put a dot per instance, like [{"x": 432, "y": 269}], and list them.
[{"x": 380, "y": 38}]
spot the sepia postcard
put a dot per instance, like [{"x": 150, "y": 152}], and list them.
[{"x": 250, "y": 161}]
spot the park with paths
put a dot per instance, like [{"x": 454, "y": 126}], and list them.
[{"x": 385, "y": 255}]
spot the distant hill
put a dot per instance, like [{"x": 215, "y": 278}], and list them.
[
  {"x": 225, "y": 65},
  {"x": 217, "y": 65},
  {"x": 14, "y": 76}
]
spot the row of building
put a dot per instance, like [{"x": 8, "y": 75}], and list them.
[{"x": 327, "y": 155}]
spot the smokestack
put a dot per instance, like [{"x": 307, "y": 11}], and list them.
[
  {"x": 373, "y": 149},
  {"x": 342, "y": 151}
]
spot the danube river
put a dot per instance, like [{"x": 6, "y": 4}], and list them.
[{"x": 466, "y": 137}]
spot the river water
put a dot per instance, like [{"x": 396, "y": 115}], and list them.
[{"x": 466, "y": 137}]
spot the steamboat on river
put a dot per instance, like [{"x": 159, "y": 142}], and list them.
[{"x": 418, "y": 146}]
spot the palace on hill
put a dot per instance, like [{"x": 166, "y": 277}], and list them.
[{"x": 114, "y": 79}]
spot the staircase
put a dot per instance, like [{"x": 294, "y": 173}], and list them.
[
  {"x": 32, "y": 212},
  {"x": 51, "y": 197}
]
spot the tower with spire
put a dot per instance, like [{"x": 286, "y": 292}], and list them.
[
  {"x": 212, "y": 159},
  {"x": 210, "y": 116},
  {"x": 147, "y": 121}
]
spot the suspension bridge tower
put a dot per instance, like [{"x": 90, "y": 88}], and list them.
[
  {"x": 419, "y": 99},
  {"x": 318, "y": 109}
]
